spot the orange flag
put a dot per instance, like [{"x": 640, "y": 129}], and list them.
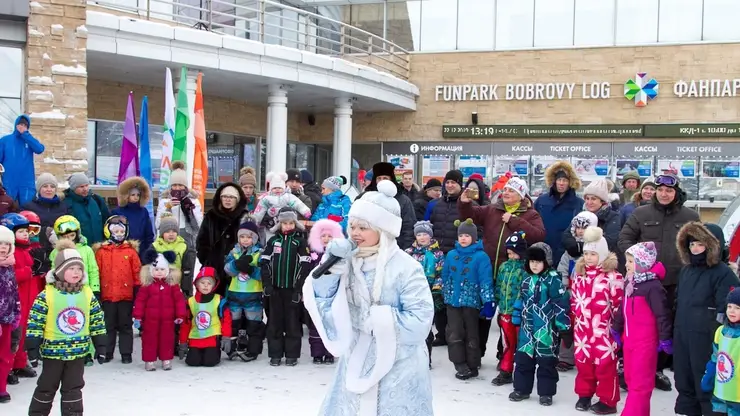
[{"x": 200, "y": 159}]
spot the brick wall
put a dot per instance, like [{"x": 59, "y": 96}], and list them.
[{"x": 56, "y": 76}]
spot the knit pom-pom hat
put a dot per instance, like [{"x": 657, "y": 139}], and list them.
[
  {"x": 247, "y": 176},
  {"x": 276, "y": 179},
  {"x": 594, "y": 241},
  {"x": 379, "y": 208}
]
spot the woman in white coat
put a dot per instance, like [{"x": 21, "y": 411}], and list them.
[
  {"x": 374, "y": 309},
  {"x": 181, "y": 203}
]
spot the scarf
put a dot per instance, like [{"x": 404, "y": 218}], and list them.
[
  {"x": 513, "y": 208},
  {"x": 66, "y": 287},
  {"x": 365, "y": 252},
  {"x": 50, "y": 201}
]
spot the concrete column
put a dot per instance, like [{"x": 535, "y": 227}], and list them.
[
  {"x": 277, "y": 128},
  {"x": 192, "y": 77},
  {"x": 342, "y": 152}
]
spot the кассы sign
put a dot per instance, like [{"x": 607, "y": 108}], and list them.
[{"x": 523, "y": 92}]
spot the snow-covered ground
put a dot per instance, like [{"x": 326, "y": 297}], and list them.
[{"x": 256, "y": 389}]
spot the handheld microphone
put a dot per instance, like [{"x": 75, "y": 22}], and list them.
[{"x": 331, "y": 261}]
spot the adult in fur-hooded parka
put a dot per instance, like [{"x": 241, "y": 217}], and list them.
[
  {"x": 133, "y": 195},
  {"x": 559, "y": 204},
  {"x": 701, "y": 302}
]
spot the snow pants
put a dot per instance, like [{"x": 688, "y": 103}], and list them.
[
  {"x": 157, "y": 340},
  {"x": 462, "y": 336},
  {"x": 509, "y": 335},
  {"x": 20, "y": 360},
  {"x": 731, "y": 409},
  {"x": 246, "y": 321},
  {"x": 203, "y": 357},
  {"x": 118, "y": 323},
  {"x": 314, "y": 340},
  {"x": 600, "y": 379},
  {"x": 6, "y": 357},
  {"x": 691, "y": 351},
  {"x": 484, "y": 329},
  {"x": 70, "y": 374},
  {"x": 284, "y": 331},
  {"x": 547, "y": 374},
  {"x": 440, "y": 323},
  {"x": 639, "y": 356}
]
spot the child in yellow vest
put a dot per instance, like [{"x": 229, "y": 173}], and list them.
[
  {"x": 721, "y": 370},
  {"x": 65, "y": 319},
  {"x": 170, "y": 240},
  {"x": 208, "y": 324}
]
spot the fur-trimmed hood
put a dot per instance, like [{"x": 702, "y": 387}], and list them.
[
  {"x": 575, "y": 181},
  {"x": 609, "y": 265},
  {"x": 145, "y": 276},
  {"x": 712, "y": 239},
  {"x": 134, "y": 182},
  {"x": 135, "y": 244},
  {"x": 319, "y": 228}
]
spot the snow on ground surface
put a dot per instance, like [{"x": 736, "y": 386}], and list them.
[{"x": 256, "y": 389}]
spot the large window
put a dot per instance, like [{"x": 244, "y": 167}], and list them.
[
  {"x": 514, "y": 24},
  {"x": 11, "y": 74},
  {"x": 476, "y": 23},
  {"x": 637, "y": 22},
  {"x": 594, "y": 23},
  {"x": 438, "y": 25},
  {"x": 679, "y": 22},
  {"x": 721, "y": 20},
  {"x": 553, "y": 23}
]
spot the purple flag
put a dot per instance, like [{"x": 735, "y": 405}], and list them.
[{"x": 129, "y": 165}]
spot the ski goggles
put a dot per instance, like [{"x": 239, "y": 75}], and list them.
[
  {"x": 666, "y": 180},
  {"x": 118, "y": 220},
  {"x": 34, "y": 229},
  {"x": 67, "y": 227}
]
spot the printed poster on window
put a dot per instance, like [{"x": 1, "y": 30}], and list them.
[
  {"x": 470, "y": 164},
  {"x": 720, "y": 169},
  {"x": 644, "y": 167},
  {"x": 591, "y": 169},
  {"x": 514, "y": 164},
  {"x": 541, "y": 163},
  {"x": 680, "y": 168},
  {"x": 435, "y": 166}
]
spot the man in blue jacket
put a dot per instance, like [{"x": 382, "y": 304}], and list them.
[
  {"x": 16, "y": 156},
  {"x": 559, "y": 205}
]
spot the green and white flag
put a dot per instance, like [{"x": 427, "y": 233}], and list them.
[
  {"x": 182, "y": 120},
  {"x": 168, "y": 137}
]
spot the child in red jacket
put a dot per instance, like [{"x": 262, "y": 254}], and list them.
[
  {"x": 27, "y": 289},
  {"x": 208, "y": 322},
  {"x": 160, "y": 305},
  {"x": 119, "y": 265},
  {"x": 40, "y": 254}
]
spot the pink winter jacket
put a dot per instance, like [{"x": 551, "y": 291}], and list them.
[
  {"x": 645, "y": 315},
  {"x": 596, "y": 295}
]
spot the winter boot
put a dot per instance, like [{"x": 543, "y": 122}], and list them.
[
  {"x": 247, "y": 357},
  {"x": 602, "y": 409},
  {"x": 622, "y": 382},
  {"x": 502, "y": 378},
  {"x": 318, "y": 360},
  {"x": 329, "y": 359},
  {"x": 545, "y": 400},
  {"x": 34, "y": 363},
  {"x": 13, "y": 378},
  {"x": 462, "y": 372},
  {"x": 291, "y": 362},
  {"x": 108, "y": 358},
  {"x": 583, "y": 404},
  {"x": 439, "y": 341},
  {"x": 89, "y": 361},
  {"x": 4, "y": 397},
  {"x": 166, "y": 365},
  {"x": 126, "y": 359},
  {"x": 563, "y": 366},
  {"x": 26, "y": 372},
  {"x": 149, "y": 366},
  {"x": 275, "y": 362},
  {"x": 515, "y": 396},
  {"x": 662, "y": 382}
]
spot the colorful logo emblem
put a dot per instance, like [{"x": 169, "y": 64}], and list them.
[
  {"x": 203, "y": 320},
  {"x": 70, "y": 321},
  {"x": 725, "y": 368},
  {"x": 243, "y": 277},
  {"x": 641, "y": 89}
]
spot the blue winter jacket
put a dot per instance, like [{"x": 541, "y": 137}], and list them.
[
  {"x": 91, "y": 211},
  {"x": 467, "y": 277},
  {"x": 140, "y": 225},
  {"x": 16, "y": 156},
  {"x": 336, "y": 203},
  {"x": 557, "y": 213}
]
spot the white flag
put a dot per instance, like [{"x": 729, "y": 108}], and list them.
[{"x": 169, "y": 133}]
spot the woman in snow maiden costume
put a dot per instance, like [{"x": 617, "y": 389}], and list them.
[{"x": 374, "y": 309}]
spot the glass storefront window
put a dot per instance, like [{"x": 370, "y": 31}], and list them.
[
  {"x": 720, "y": 20},
  {"x": 553, "y": 23},
  {"x": 637, "y": 22},
  {"x": 10, "y": 109},
  {"x": 594, "y": 23},
  {"x": 679, "y": 23},
  {"x": 476, "y": 23},
  {"x": 514, "y": 24},
  {"x": 439, "y": 25},
  {"x": 11, "y": 72}
]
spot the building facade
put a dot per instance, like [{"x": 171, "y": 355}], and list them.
[{"x": 334, "y": 86}]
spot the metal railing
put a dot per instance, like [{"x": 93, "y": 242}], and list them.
[{"x": 272, "y": 23}]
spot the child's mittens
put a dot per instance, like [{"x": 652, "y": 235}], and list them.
[
  {"x": 307, "y": 215},
  {"x": 243, "y": 264},
  {"x": 707, "y": 381},
  {"x": 182, "y": 350},
  {"x": 617, "y": 337},
  {"x": 178, "y": 321},
  {"x": 516, "y": 317},
  {"x": 51, "y": 236},
  {"x": 488, "y": 310},
  {"x": 666, "y": 346},
  {"x": 137, "y": 323}
]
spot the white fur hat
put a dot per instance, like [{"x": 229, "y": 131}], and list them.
[
  {"x": 7, "y": 236},
  {"x": 594, "y": 241},
  {"x": 380, "y": 208},
  {"x": 276, "y": 179},
  {"x": 598, "y": 188}
]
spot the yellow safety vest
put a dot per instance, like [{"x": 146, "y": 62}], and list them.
[
  {"x": 206, "y": 322},
  {"x": 68, "y": 315}
]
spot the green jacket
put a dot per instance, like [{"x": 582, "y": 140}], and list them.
[
  {"x": 91, "y": 265},
  {"x": 508, "y": 285},
  {"x": 178, "y": 246}
]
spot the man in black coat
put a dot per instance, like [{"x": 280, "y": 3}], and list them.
[
  {"x": 386, "y": 171},
  {"x": 432, "y": 190}
]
